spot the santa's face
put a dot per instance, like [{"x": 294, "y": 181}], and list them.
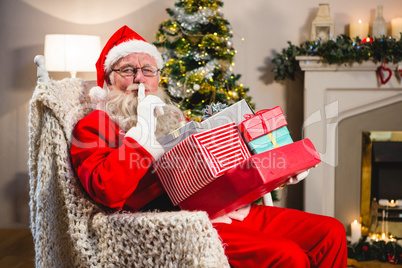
[{"x": 136, "y": 60}]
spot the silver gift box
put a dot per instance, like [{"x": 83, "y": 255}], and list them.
[
  {"x": 180, "y": 134},
  {"x": 233, "y": 113}
]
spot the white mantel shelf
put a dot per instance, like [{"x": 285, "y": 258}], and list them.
[
  {"x": 315, "y": 63},
  {"x": 332, "y": 93}
]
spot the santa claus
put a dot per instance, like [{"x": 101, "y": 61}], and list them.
[{"x": 114, "y": 147}]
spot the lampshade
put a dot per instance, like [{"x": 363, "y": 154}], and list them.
[{"x": 71, "y": 53}]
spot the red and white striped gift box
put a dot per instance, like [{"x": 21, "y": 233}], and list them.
[{"x": 198, "y": 160}]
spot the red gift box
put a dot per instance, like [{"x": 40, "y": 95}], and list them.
[
  {"x": 253, "y": 178},
  {"x": 200, "y": 159},
  {"x": 261, "y": 123}
]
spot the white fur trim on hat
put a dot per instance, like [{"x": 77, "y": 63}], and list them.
[
  {"x": 97, "y": 94},
  {"x": 130, "y": 47}
]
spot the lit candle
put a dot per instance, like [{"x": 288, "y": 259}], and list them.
[
  {"x": 356, "y": 231},
  {"x": 374, "y": 237},
  {"x": 384, "y": 237},
  {"x": 396, "y": 25},
  {"x": 386, "y": 222},
  {"x": 359, "y": 29}
]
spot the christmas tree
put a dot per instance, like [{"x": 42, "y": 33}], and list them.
[{"x": 197, "y": 50}]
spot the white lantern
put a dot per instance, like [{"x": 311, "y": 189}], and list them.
[{"x": 322, "y": 26}]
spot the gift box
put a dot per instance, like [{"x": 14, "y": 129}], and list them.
[
  {"x": 253, "y": 178},
  {"x": 234, "y": 113},
  {"x": 269, "y": 141},
  {"x": 261, "y": 123},
  {"x": 180, "y": 134},
  {"x": 200, "y": 159}
]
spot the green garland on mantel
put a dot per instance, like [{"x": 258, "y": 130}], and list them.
[{"x": 340, "y": 50}]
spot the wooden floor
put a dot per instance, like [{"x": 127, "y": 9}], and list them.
[
  {"x": 17, "y": 251},
  {"x": 16, "y": 248}
]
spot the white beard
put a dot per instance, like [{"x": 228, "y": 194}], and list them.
[{"x": 122, "y": 109}]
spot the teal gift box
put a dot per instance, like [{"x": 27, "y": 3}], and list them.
[{"x": 272, "y": 140}]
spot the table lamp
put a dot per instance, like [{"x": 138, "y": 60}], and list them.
[{"x": 71, "y": 53}]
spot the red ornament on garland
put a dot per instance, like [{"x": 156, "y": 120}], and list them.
[
  {"x": 367, "y": 40},
  {"x": 381, "y": 71},
  {"x": 392, "y": 259},
  {"x": 364, "y": 248}
]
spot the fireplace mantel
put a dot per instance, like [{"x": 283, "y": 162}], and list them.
[{"x": 332, "y": 93}]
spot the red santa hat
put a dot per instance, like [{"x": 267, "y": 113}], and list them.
[{"x": 122, "y": 43}]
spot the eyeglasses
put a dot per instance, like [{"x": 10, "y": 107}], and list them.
[{"x": 128, "y": 71}]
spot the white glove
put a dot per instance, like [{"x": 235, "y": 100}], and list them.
[
  {"x": 147, "y": 105},
  {"x": 144, "y": 131},
  {"x": 298, "y": 178}
]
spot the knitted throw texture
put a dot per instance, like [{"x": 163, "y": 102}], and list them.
[{"x": 71, "y": 230}]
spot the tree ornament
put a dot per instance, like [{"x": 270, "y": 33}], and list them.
[
  {"x": 212, "y": 109},
  {"x": 196, "y": 87}
]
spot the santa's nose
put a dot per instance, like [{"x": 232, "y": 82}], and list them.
[{"x": 139, "y": 77}]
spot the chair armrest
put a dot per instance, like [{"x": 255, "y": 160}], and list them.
[{"x": 152, "y": 239}]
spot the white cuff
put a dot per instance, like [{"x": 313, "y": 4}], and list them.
[{"x": 147, "y": 141}]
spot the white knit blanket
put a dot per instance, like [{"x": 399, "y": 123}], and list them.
[{"x": 71, "y": 230}]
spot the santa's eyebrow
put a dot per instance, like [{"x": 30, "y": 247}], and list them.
[
  {"x": 131, "y": 65},
  {"x": 127, "y": 65}
]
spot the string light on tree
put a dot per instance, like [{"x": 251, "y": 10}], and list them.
[{"x": 196, "y": 45}]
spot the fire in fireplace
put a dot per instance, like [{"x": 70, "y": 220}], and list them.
[{"x": 381, "y": 196}]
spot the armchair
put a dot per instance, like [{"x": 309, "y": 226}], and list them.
[{"x": 71, "y": 230}]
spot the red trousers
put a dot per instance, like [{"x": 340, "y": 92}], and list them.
[{"x": 279, "y": 237}]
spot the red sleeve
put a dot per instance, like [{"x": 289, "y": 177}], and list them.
[{"x": 108, "y": 165}]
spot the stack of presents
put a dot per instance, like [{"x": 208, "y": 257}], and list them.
[{"x": 231, "y": 158}]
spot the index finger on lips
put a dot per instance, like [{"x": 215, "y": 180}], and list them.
[{"x": 141, "y": 92}]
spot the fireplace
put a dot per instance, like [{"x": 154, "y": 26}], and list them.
[
  {"x": 381, "y": 194},
  {"x": 336, "y": 100}
]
